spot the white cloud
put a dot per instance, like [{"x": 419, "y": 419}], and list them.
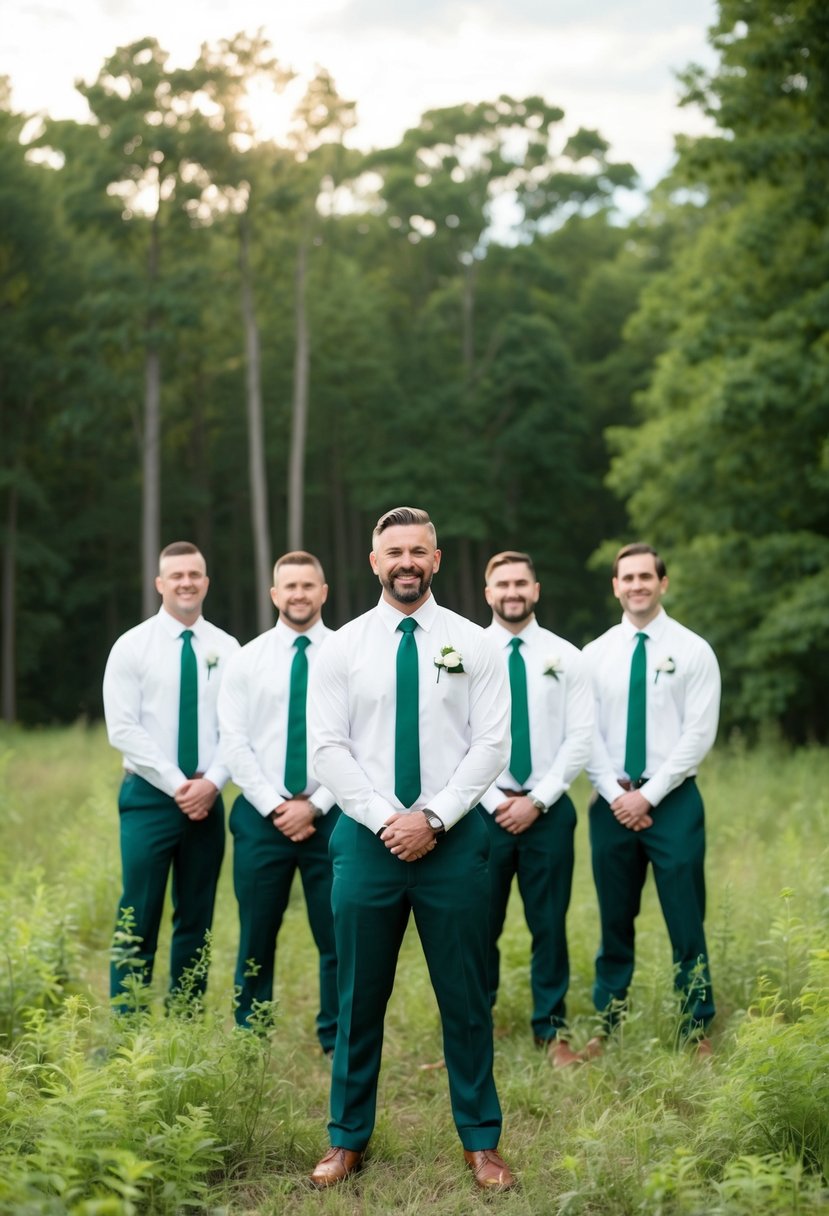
[{"x": 609, "y": 64}]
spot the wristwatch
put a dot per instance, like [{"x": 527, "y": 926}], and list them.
[
  {"x": 434, "y": 822},
  {"x": 540, "y": 806}
]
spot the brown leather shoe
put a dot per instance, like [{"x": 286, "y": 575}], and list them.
[
  {"x": 593, "y": 1048},
  {"x": 491, "y": 1171},
  {"x": 704, "y": 1050},
  {"x": 337, "y": 1165},
  {"x": 561, "y": 1054}
]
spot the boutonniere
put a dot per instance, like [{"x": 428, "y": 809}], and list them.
[
  {"x": 553, "y": 667},
  {"x": 667, "y": 665},
  {"x": 212, "y": 660},
  {"x": 449, "y": 660}
]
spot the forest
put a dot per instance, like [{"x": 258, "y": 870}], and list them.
[{"x": 260, "y": 346}]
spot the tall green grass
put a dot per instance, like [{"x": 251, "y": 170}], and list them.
[{"x": 170, "y": 1114}]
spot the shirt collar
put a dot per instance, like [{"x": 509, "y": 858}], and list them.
[
  {"x": 287, "y": 636},
  {"x": 425, "y": 616},
  {"x": 174, "y": 627},
  {"x": 654, "y": 629},
  {"x": 503, "y": 637}
]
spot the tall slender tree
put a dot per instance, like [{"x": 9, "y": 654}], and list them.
[
  {"x": 157, "y": 137},
  {"x": 243, "y": 169}
]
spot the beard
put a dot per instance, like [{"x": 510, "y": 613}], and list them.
[
  {"x": 407, "y": 595},
  {"x": 514, "y": 612},
  {"x": 297, "y": 616}
]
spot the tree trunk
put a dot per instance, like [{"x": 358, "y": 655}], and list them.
[
  {"x": 466, "y": 575},
  {"x": 339, "y": 531},
  {"x": 8, "y": 695},
  {"x": 151, "y": 447},
  {"x": 195, "y": 399},
  {"x": 262, "y": 552},
  {"x": 299, "y": 409}
]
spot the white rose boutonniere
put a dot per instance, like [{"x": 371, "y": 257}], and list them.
[
  {"x": 212, "y": 660},
  {"x": 553, "y": 667},
  {"x": 667, "y": 665},
  {"x": 449, "y": 660}
]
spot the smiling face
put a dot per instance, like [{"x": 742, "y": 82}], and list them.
[
  {"x": 182, "y": 583},
  {"x": 512, "y": 594},
  {"x": 638, "y": 587},
  {"x": 299, "y": 593},
  {"x": 404, "y": 559}
]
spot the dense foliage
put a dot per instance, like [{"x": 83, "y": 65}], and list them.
[
  {"x": 254, "y": 344},
  {"x": 728, "y": 466}
]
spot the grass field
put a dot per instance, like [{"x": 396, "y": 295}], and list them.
[{"x": 170, "y": 1114}]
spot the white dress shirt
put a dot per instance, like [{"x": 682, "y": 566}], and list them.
[
  {"x": 463, "y": 716},
  {"x": 142, "y": 682},
  {"x": 683, "y": 705},
  {"x": 560, "y": 709},
  {"x": 253, "y": 716}
]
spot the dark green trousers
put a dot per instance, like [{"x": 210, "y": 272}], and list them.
[
  {"x": 542, "y": 860},
  {"x": 264, "y": 864},
  {"x": 675, "y": 847},
  {"x": 155, "y": 838},
  {"x": 372, "y": 895}
]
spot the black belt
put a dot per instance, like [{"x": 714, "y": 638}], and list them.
[{"x": 632, "y": 785}]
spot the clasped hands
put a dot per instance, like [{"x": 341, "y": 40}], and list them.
[
  {"x": 408, "y": 836},
  {"x": 516, "y": 814},
  {"x": 195, "y": 797},
  {"x": 632, "y": 810},
  {"x": 295, "y": 819}
]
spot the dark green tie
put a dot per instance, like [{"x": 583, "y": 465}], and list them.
[
  {"x": 296, "y": 749},
  {"x": 188, "y": 708},
  {"x": 635, "y": 747},
  {"x": 406, "y": 723},
  {"x": 520, "y": 761}
]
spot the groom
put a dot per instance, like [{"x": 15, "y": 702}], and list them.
[{"x": 409, "y": 711}]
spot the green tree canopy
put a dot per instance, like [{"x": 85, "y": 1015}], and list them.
[{"x": 729, "y": 469}]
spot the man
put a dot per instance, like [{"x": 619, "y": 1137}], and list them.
[
  {"x": 657, "y": 691},
  {"x": 409, "y": 710},
  {"x": 282, "y": 820},
  {"x": 530, "y": 818},
  {"x": 160, "y": 689}
]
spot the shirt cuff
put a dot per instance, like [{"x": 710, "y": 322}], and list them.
[
  {"x": 377, "y": 812},
  {"x": 169, "y": 779},
  {"x": 218, "y": 774},
  {"x": 448, "y": 808},
  {"x": 491, "y": 799},
  {"x": 322, "y": 799},
  {"x": 548, "y": 792},
  {"x": 267, "y": 801},
  {"x": 654, "y": 790},
  {"x": 610, "y": 790}
]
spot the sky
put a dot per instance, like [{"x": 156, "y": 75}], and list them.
[{"x": 609, "y": 64}]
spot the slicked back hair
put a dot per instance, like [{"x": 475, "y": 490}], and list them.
[
  {"x": 403, "y": 517},
  {"x": 634, "y": 550},
  {"x": 298, "y": 557},
  {"x": 506, "y": 559}
]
